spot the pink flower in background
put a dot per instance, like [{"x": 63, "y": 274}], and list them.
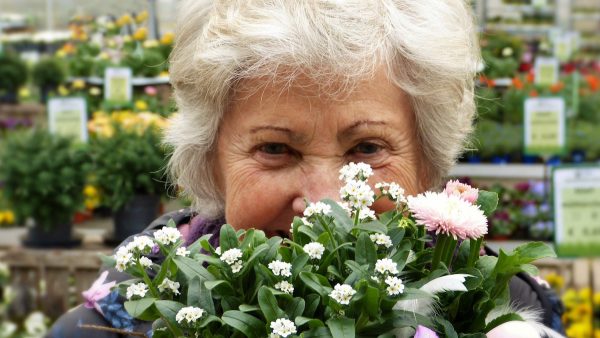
[
  {"x": 423, "y": 332},
  {"x": 97, "y": 291},
  {"x": 448, "y": 214},
  {"x": 465, "y": 191},
  {"x": 150, "y": 90}
]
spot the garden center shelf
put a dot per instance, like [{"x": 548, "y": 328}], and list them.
[
  {"x": 506, "y": 171},
  {"x": 135, "y": 81}
]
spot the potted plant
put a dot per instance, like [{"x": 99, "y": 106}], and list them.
[
  {"x": 48, "y": 74},
  {"x": 44, "y": 177},
  {"x": 128, "y": 160},
  {"x": 13, "y": 75}
]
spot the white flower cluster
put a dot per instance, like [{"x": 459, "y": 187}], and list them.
[
  {"x": 233, "y": 257},
  {"x": 142, "y": 243},
  {"x": 392, "y": 190},
  {"x": 342, "y": 293},
  {"x": 280, "y": 268},
  {"x": 355, "y": 171},
  {"x": 145, "y": 262},
  {"x": 314, "y": 250},
  {"x": 318, "y": 208},
  {"x": 167, "y": 235},
  {"x": 285, "y": 286},
  {"x": 189, "y": 314},
  {"x": 283, "y": 327},
  {"x": 356, "y": 195},
  {"x": 182, "y": 251},
  {"x": 381, "y": 239},
  {"x": 138, "y": 289},
  {"x": 169, "y": 285},
  {"x": 394, "y": 285},
  {"x": 123, "y": 258},
  {"x": 386, "y": 265}
]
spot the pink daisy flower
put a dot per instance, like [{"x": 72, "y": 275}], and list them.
[
  {"x": 464, "y": 191},
  {"x": 448, "y": 214},
  {"x": 424, "y": 332}
]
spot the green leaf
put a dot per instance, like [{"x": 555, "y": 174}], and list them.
[
  {"x": 248, "y": 239},
  {"x": 258, "y": 251},
  {"x": 199, "y": 295},
  {"x": 366, "y": 252},
  {"x": 371, "y": 302},
  {"x": 446, "y": 327},
  {"x": 107, "y": 261},
  {"x": 142, "y": 309},
  {"x": 341, "y": 327},
  {"x": 487, "y": 201},
  {"x": 533, "y": 251},
  {"x": 201, "y": 243},
  {"x": 268, "y": 304},
  {"x": 312, "y": 303},
  {"x": 373, "y": 226},
  {"x": 245, "y": 323},
  {"x": 298, "y": 264},
  {"x": 227, "y": 238},
  {"x": 273, "y": 243},
  {"x": 341, "y": 218},
  {"x": 171, "y": 222},
  {"x": 316, "y": 282},
  {"x": 501, "y": 320},
  {"x": 222, "y": 287},
  {"x": 169, "y": 310},
  {"x": 396, "y": 234},
  {"x": 295, "y": 308},
  {"x": 191, "y": 268},
  {"x": 317, "y": 332},
  {"x": 312, "y": 322},
  {"x": 248, "y": 308}
]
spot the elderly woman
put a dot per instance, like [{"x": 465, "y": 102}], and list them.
[{"x": 275, "y": 96}]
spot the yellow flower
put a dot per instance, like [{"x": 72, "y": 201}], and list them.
[
  {"x": 9, "y": 217},
  {"x": 95, "y": 91},
  {"x": 597, "y": 333},
  {"x": 167, "y": 38},
  {"x": 596, "y": 298},
  {"x": 90, "y": 191},
  {"x": 78, "y": 84},
  {"x": 579, "y": 330},
  {"x": 63, "y": 91},
  {"x": 143, "y": 16},
  {"x": 24, "y": 92},
  {"x": 141, "y": 105},
  {"x": 61, "y": 53},
  {"x": 124, "y": 20},
  {"x": 140, "y": 34},
  {"x": 126, "y": 38},
  {"x": 164, "y": 73},
  {"x": 585, "y": 294},
  {"x": 91, "y": 203},
  {"x": 150, "y": 43},
  {"x": 556, "y": 281},
  {"x": 104, "y": 55}
]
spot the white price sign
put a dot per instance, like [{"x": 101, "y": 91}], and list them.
[
  {"x": 576, "y": 198},
  {"x": 546, "y": 71},
  {"x": 544, "y": 125},
  {"x": 67, "y": 116},
  {"x": 117, "y": 85}
]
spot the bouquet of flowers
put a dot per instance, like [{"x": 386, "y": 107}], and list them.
[{"x": 344, "y": 272}]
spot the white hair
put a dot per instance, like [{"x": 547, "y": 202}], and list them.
[{"x": 427, "y": 47}]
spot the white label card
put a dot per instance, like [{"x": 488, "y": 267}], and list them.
[
  {"x": 546, "y": 71},
  {"x": 117, "y": 85},
  {"x": 67, "y": 116},
  {"x": 576, "y": 198},
  {"x": 544, "y": 125}
]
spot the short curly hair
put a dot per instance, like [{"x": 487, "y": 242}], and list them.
[{"x": 428, "y": 48}]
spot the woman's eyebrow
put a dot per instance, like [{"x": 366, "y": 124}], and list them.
[
  {"x": 352, "y": 129},
  {"x": 255, "y": 130}
]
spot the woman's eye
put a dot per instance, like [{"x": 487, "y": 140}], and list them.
[
  {"x": 365, "y": 148},
  {"x": 274, "y": 149}
]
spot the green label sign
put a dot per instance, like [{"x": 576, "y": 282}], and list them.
[
  {"x": 544, "y": 126},
  {"x": 68, "y": 116},
  {"x": 577, "y": 211},
  {"x": 117, "y": 85},
  {"x": 546, "y": 71}
]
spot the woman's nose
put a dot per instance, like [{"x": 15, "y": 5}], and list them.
[{"x": 317, "y": 184}]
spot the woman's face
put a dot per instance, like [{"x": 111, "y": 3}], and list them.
[{"x": 277, "y": 148}]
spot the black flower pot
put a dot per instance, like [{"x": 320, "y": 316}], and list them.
[
  {"x": 134, "y": 217},
  {"x": 57, "y": 236}
]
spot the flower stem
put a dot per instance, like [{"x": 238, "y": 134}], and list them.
[
  {"x": 474, "y": 247},
  {"x": 449, "y": 251},
  {"x": 438, "y": 251}
]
